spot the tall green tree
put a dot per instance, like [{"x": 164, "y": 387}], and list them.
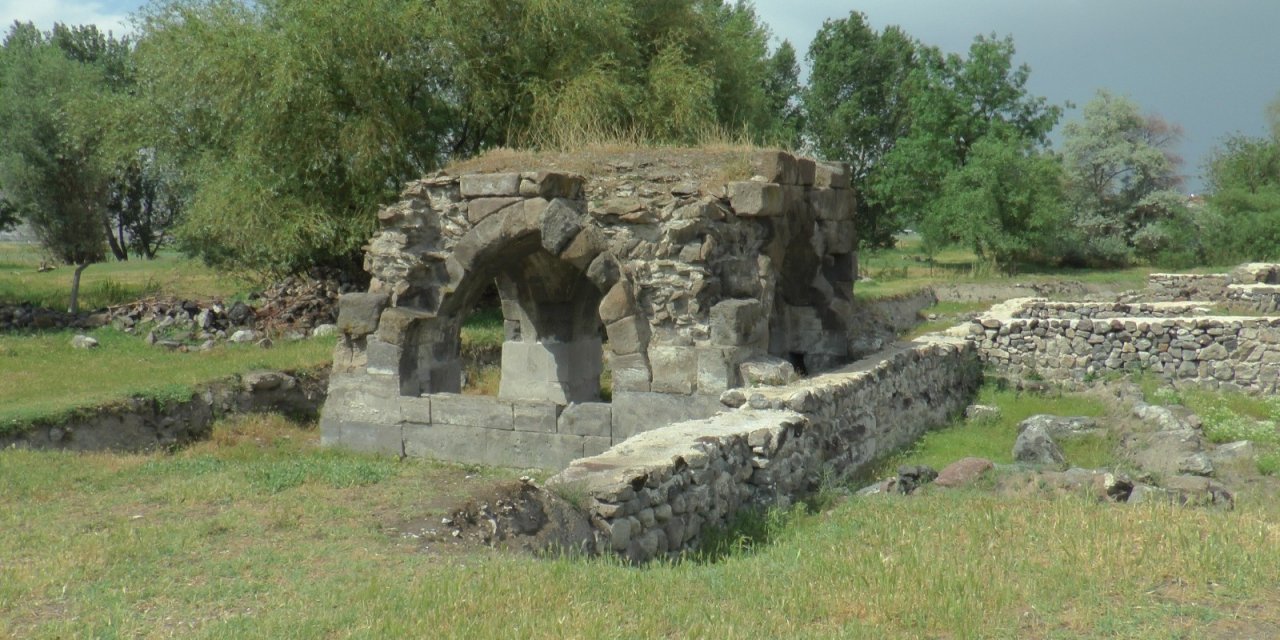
[
  {"x": 954, "y": 102},
  {"x": 1006, "y": 202},
  {"x": 51, "y": 165},
  {"x": 1124, "y": 178},
  {"x": 856, "y": 107},
  {"x": 1242, "y": 222},
  {"x": 291, "y": 120}
]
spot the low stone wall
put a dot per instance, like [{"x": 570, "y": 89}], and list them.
[
  {"x": 661, "y": 491},
  {"x": 1237, "y": 353},
  {"x": 144, "y": 424},
  {"x": 1262, "y": 298},
  {"x": 1047, "y": 309},
  {"x": 1171, "y": 287}
]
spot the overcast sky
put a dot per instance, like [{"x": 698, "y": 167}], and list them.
[{"x": 1208, "y": 65}]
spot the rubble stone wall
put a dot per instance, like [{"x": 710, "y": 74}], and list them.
[
  {"x": 659, "y": 492},
  {"x": 1049, "y": 309},
  {"x": 1233, "y": 353}
]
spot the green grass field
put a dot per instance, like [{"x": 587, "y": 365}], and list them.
[
  {"x": 259, "y": 533},
  {"x": 43, "y": 376},
  {"x": 107, "y": 283}
]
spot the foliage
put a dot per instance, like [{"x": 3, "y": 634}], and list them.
[
  {"x": 53, "y": 165},
  {"x": 520, "y": 74},
  {"x": 1005, "y": 202},
  {"x": 1242, "y": 222},
  {"x": 292, "y": 120},
  {"x": 954, "y": 102},
  {"x": 1123, "y": 182},
  {"x": 856, "y": 107}
]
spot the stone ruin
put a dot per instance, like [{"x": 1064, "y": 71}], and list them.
[{"x": 687, "y": 286}]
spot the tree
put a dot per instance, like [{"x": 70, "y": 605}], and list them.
[
  {"x": 904, "y": 115},
  {"x": 856, "y": 107},
  {"x": 291, "y": 120},
  {"x": 669, "y": 71},
  {"x": 1243, "y": 218},
  {"x": 954, "y": 102},
  {"x": 1123, "y": 177},
  {"x": 1005, "y": 202},
  {"x": 50, "y": 164}
]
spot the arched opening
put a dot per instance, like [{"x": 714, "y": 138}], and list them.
[{"x": 551, "y": 347}]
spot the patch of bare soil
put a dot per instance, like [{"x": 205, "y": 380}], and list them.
[{"x": 507, "y": 515}]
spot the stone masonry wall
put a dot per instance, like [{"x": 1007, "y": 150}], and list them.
[
  {"x": 694, "y": 289},
  {"x": 1236, "y": 353},
  {"x": 1047, "y": 309},
  {"x": 659, "y": 492}
]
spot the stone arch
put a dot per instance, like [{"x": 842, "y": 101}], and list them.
[{"x": 551, "y": 285}]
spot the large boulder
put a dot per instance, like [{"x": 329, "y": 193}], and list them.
[{"x": 1035, "y": 446}]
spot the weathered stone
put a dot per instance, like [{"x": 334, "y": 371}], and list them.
[
  {"x": 560, "y": 223},
  {"x": 675, "y": 369},
  {"x": 755, "y": 198},
  {"x": 81, "y": 341},
  {"x": 628, "y": 335},
  {"x": 358, "y": 313},
  {"x": 767, "y": 371},
  {"x": 473, "y": 411},
  {"x": 777, "y": 167},
  {"x": 536, "y": 416},
  {"x": 482, "y": 208},
  {"x": 1035, "y": 446},
  {"x": 736, "y": 322},
  {"x": 587, "y": 419},
  {"x": 830, "y": 174},
  {"x": 490, "y": 185},
  {"x": 963, "y": 472},
  {"x": 806, "y": 171}
]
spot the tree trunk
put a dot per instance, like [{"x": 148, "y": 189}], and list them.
[
  {"x": 117, "y": 248},
  {"x": 75, "y": 287}
]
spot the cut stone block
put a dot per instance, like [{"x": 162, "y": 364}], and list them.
[
  {"x": 675, "y": 369},
  {"x": 358, "y": 312},
  {"x": 536, "y": 416},
  {"x": 482, "y": 208},
  {"x": 756, "y": 198},
  {"x": 634, "y": 412},
  {"x": 587, "y": 419},
  {"x": 718, "y": 368},
  {"x": 831, "y": 174},
  {"x": 628, "y": 335},
  {"x": 522, "y": 449},
  {"x": 832, "y": 204},
  {"x": 413, "y": 409},
  {"x": 489, "y": 184},
  {"x": 806, "y": 169},
  {"x": 777, "y": 167},
  {"x": 475, "y": 411},
  {"x": 630, "y": 372},
  {"x": 736, "y": 322}
]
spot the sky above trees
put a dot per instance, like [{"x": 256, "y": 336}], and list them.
[{"x": 1208, "y": 66}]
